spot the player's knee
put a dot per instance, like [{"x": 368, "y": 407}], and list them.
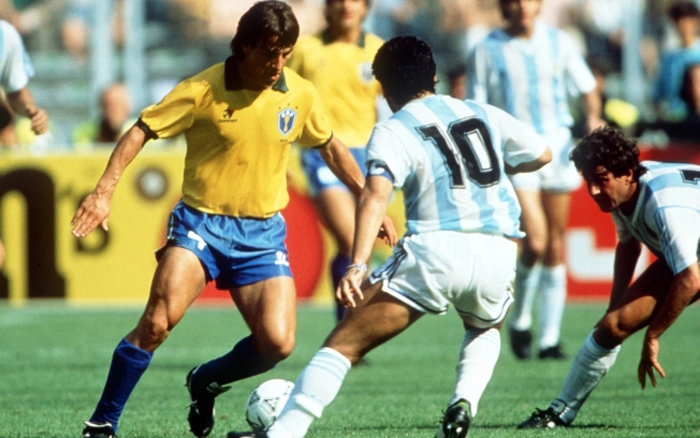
[
  {"x": 277, "y": 347},
  {"x": 150, "y": 333},
  {"x": 611, "y": 331},
  {"x": 534, "y": 249}
]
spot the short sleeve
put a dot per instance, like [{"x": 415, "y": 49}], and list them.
[
  {"x": 385, "y": 149},
  {"x": 16, "y": 66},
  {"x": 679, "y": 236},
  {"x": 521, "y": 143},
  {"x": 317, "y": 127},
  {"x": 172, "y": 115}
]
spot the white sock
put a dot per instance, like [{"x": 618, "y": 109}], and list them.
[
  {"x": 477, "y": 359},
  {"x": 552, "y": 301},
  {"x": 591, "y": 363},
  {"x": 526, "y": 282},
  {"x": 314, "y": 389}
]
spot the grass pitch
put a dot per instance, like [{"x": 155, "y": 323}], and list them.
[{"x": 54, "y": 359}]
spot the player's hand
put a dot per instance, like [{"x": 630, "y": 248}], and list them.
[
  {"x": 649, "y": 362},
  {"x": 93, "y": 212},
  {"x": 39, "y": 118},
  {"x": 387, "y": 232},
  {"x": 349, "y": 287}
]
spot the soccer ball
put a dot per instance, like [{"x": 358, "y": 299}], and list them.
[{"x": 266, "y": 402}]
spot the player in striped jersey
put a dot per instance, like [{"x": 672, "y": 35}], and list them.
[
  {"x": 450, "y": 159},
  {"x": 654, "y": 204},
  {"x": 528, "y": 69}
]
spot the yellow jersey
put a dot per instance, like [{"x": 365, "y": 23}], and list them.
[
  {"x": 342, "y": 74},
  {"x": 238, "y": 140}
]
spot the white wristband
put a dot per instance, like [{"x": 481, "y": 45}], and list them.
[{"x": 359, "y": 266}]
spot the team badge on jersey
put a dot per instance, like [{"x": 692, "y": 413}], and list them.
[{"x": 285, "y": 120}]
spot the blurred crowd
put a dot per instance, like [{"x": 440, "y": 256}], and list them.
[{"x": 669, "y": 49}]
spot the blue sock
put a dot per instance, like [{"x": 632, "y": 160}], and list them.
[
  {"x": 338, "y": 267},
  {"x": 240, "y": 363},
  {"x": 128, "y": 365}
]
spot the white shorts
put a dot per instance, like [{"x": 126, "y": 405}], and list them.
[
  {"x": 473, "y": 272},
  {"x": 560, "y": 175}
]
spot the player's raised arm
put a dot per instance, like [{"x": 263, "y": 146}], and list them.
[{"x": 95, "y": 209}]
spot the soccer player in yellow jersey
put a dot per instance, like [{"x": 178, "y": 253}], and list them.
[
  {"x": 239, "y": 118},
  {"x": 338, "y": 62}
]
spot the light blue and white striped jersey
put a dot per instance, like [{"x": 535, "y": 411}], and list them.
[
  {"x": 447, "y": 156},
  {"x": 531, "y": 79},
  {"x": 15, "y": 66},
  {"x": 667, "y": 216}
]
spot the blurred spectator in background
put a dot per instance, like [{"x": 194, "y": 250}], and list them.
[
  {"x": 686, "y": 130},
  {"x": 667, "y": 93},
  {"x": 616, "y": 112},
  {"x": 115, "y": 119},
  {"x": 440, "y": 23},
  {"x": 601, "y": 22},
  {"x": 481, "y": 16},
  {"x": 35, "y": 20}
]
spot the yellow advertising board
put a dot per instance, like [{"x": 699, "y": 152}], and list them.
[{"x": 40, "y": 194}]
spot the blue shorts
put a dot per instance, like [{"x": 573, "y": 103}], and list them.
[
  {"x": 234, "y": 251},
  {"x": 320, "y": 176}
]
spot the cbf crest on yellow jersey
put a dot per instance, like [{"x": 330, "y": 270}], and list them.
[
  {"x": 286, "y": 120},
  {"x": 238, "y": 140},
  {"x": 342, "y": 74}
]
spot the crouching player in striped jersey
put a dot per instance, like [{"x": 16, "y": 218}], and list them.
[
  {"x": 654, "y": 204},
  {"x": 450, "y": 158}
]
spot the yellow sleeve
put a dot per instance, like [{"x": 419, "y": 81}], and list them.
[
  {"x": 317, "y": 127},
  {"x": 172, "y": 115}
]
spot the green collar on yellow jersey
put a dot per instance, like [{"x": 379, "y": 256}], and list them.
[
  {"x": 326, "y": 38},
  {"x": 233, "y": 80}
]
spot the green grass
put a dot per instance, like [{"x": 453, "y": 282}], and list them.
[{"x": 54, "y": 358}]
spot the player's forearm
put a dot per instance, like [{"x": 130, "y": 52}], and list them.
[
  {"x": 530, "y": 166},
  {"x": 626, "y": 256},
  {"x": 683, "y": 288},
  {"x": 371, "y": 209},
  {"x": 22, "y": 102},
  {"x": 341, "y": 162},
  {"x": 128, "y": 146},
  {"x": 593, "y": 109}
]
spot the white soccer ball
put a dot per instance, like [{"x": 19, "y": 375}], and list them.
[{"x": 266, "y": 402}]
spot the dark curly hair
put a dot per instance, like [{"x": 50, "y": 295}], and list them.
[
  {"x": 405, "y": 68},
  {"x": 683, "y": 9},
  {"x": 610, "y": 148},
  {"x": 262, "y": 21}
]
